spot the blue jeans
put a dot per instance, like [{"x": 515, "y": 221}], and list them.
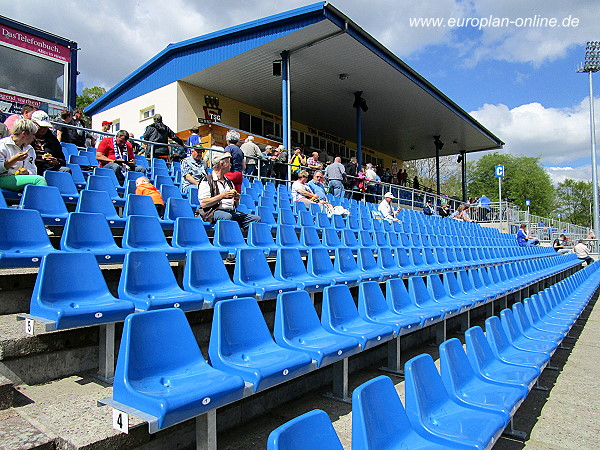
[
  {"x": 117, "y": 169},
  {"x": 250, "y": 169},
  {"x": 337, "y": 188},
  {"x": 244, "y": 220}
]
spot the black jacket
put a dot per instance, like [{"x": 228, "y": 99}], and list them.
[{"x": 160, "y": 133}]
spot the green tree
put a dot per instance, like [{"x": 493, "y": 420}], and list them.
[
  {"x": 574, "y": 200},
  {"x": 524, "y": 180},
  {"x": 89, "y": 95}
]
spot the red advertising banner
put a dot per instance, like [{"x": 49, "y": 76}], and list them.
[{"x": 34, "y": 43}]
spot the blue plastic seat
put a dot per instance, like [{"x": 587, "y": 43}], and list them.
[
  {"x": 402, "y": 257},
  {"x": 441, "y": 294},
  {"x": 162, "y": 372},
  {"x": 319, "y": 265},
  {"x": 77, "y": 175},
  {"x": 297, "y": 327},
  {"x": 331, "y": 239},
  {"x": 65, "y": 184},
  {"x": 286, "y": 237},
  {"x": 387, "y": 263},
  {"x": 367, "y": 263},
  {"x": 3, "y": 201},
  {"x": 148, "y": 281},
  {"x": 47, "y": 201},
  {"x": 338, "y": 222},
  {"x": 241, "y": 344},
  {"x": 109, "y": 173},
  {"x": 228, "y": 236},
  {"x": 471, "y": 387},
  {"x": 70, "y": 290},
  {"x": 260, "y": 236},
  {"x": 145, "y": 233},
  {"x": 103, "y": 183},
  {"x": 252, "y": 270},
  {"x": 178, "y": 207},
  {"x": 193, "y": 197},
  {"x": 168, "y": 191},
  {"x": 399, "y": 301},
  {"x": 366, "y": 240},
  {"x": 421, "y": 297},
  {"x": 482, "y": 360},
  {"x": 340, "y": 316},
  {"x": 345, "y": 264},
  {"x": 349, "y": 240},
  {"x": 189, "y": 233},
  {"x": 290, "y": 267},
  {"x": 372, "y": 307},
  {"x": 379, "y": 420},
  {"x": 267, "y": 216},
  {"x": 312, "y": 430},
  {"x": 141, "y": 160},
  {"x": 214, "y": 284},
  {"x": 23, "y": 238},
  {"x": 521, "y": 340},
  {"x": 142, "y": 205},
  {"x": 100, "y": 202},
  {"x": 286, "y": 217},
  {"x": 430, "y": 408},
  {"x": 77, "y": 159},
  {"x": 309, "y": 237},
  {"x": 89, "y": 232}
]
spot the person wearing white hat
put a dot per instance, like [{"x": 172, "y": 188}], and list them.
[
  {"x": 386, "y": 209},
  {"x": 48, "y": 151}
]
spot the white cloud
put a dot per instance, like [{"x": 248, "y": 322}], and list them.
[
  {"x": 556, "y": 135},
  {"x": 559, "y": 174}
]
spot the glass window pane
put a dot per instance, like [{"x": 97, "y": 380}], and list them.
[
  {"x": 244, "y": 121},
  {"x": 256, "y": 125}
]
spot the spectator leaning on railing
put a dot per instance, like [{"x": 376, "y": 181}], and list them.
[
  {"x": 335, "y": 173},
  {"x": 252, "y": 154}
]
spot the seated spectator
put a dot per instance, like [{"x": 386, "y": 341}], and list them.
[
  {"x": 48, "y": 151},
  {"x": 386, "y": 209},
  {"x": 560, "y": 244},
  {"x": 444, "y": 210},
  {"x": 144, "y": 187},
  {"x": 428, "y": 209},
  {"x": 193, "y": 169},
  {"x": 336, "y": 174},
  {"x": 17, "y": 157},
  {"x": 218, "y": 197},
  {"x": 116, "y": 153},
  {"x": 301, "y": 192},
  {"x": 316, "y": 185},
  {"x": 461, "y": 214},
  {"x": 523, "y": 239},
  {"x": 26, "y": 112},
  {"x": 583, "y": 252}
]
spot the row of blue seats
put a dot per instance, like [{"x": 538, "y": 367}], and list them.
[
  {"x": 475, "y": 394},
  {"x": 162, "y": 373}
]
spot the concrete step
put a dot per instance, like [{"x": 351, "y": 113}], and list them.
[
  {"x": 19, "y": 433},
  {"x": 7, "y": 393}
]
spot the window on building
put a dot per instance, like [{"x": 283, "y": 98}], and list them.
[
  {"x": 256, "y": 125},
  {"x": 146, "y": 113}
]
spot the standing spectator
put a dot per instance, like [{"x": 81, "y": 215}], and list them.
[
  {"x": 144, "y": 187},
  {"x": 523, "y": 239},
  {"x": 26, "y": 112},
  {"x": 106, "y": 128},
  {"x": 316, "y": 185},
  {"x": 386, "y": 176},
  {"x": 386, "y": 209},
  {"x": 455, "y": 200},
  {"x": 298, "y": 160},
  {"x": 416, "y": 183},
  {"x": 371, "y": 176},
  {"x": 583, "y": 252},
  {"x": 193, "y": 169},
  {"x": 160, "y": 133},
  {"x": 48, "y": 151},
  {"x": 394, "y": 173},
  {"x": 266, "y": 164},
  {"x": 218, "y": 197},
  {"x": 17, "y": 157},
  {"x": 351, "y": 174},
  {"x": 116, "y": 153},
  {"x": 403, "y": 178},
  {"x": 252, "y": 154},
  {"x": 484, "y": 207},
  {"x": 313, "y": 163},
  {"x": 68, "y": 134},
  {"x": 194, "y": 139},
  {"x": 238, "y": 162},
  {"x": 335, "y": 175},
  {"x": 280, "y": 167}
]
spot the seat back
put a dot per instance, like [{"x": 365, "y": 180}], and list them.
[
  {"x": 63, "y": 181},
  {"x": 45, "y": 199},
  {"x": 86, "y": 231},
  {"x": 286, "y": 236},
  {"x": 104, "y": 172},
  {"x": 170, "y": 191},
  {"x": 251, "y": 267},
  {"x": 338, "y": 306},
  {"x": 91, "y": 201},
  {"x": 305, "y": 218},
  {"x": 266, "y": 215},
  {"x": 22, "y": 229},
  {"x": 143, "y": 232},
  {"x": 424, "y": 388},
  {"x": 385, "y": 259},
  {"x": 228, "y": 234},
  {"x": 295, "y": 316},
  {"x": 344, "y": 261},
  {"x": 349, "y": 238},
  {"x": 309, "y": 237},
  {"x": 195, "y": 274},
  {"x": 147, "y": 271},
  {"x": 378, "y": 417},
  {"x": 479, "y": 351},
  {"x": 455, "y": 368},
  {"x": 259, "y": 235},
  {"x": 102, "y": 183},
  {"x": 331, "y": 238},
  {"x": 365, "y": 239},
  {"x": 319, "y": 263},
  {"x": 366, "y": 260},
  {"x": 310, "y": 431},
  {"x": 371, "y": 301},
  {"x": 289, "y": 264},
  {"x": 77, "y": 174},
  {"x": 140, "y": 205},
  {"x": 396, "y": 295},
  {"x": 178, "y": 207}
]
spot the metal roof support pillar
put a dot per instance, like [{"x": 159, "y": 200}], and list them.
[
  {"x": 463, "y": 170},
  {"x": 359, "y": 137},
  {"x": 438, "y": 147},
  {"x": 285, "y": 105}
]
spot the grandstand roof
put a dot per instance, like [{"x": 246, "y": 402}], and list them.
[{"x": 405, "y": 110}]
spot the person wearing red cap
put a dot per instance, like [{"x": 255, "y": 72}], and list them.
[{"x": 106, "y": 128}]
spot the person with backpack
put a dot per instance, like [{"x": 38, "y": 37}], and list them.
[{"x": 160, "y": 133}]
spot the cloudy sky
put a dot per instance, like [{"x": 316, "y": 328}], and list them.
[{"x": 501, "y": 60}]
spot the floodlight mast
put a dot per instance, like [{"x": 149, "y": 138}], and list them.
[{"x": 591, "y": 65}]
